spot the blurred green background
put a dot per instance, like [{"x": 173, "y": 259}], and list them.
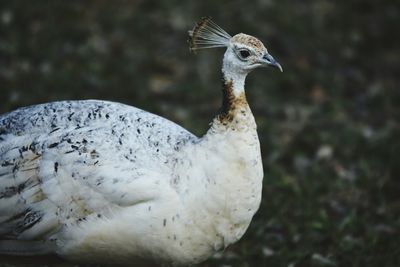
[{"x": 329, "y": 125}]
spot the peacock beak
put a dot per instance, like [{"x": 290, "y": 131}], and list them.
[{"x": 268, "y": 60}]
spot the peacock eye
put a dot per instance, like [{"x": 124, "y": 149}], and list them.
[{"x": 244, "y": 53}]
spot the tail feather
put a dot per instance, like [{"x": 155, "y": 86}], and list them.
[
  {"x": 26, "y": 248},
  {"x": 48, "y": 224}
]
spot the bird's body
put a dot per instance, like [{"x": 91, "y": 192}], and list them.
[{"x": 99, "y": 181}]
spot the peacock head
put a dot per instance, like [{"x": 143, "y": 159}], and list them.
[{"x": 244, "y": 52}]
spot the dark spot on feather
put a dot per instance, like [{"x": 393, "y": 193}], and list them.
[
  {"x": 3, "y": 131},
  {"x": 6, "y": 163},
  {"x": 56, "y": 166},
  {"x": 74, "y": 147},
  {"x": 11, "y": 191},
  {"x": 70, "y": 116},
  {"x": 53, "y": 145},
  {"x": 165, "y": 222},
  {"x": 21, "y": 153},
  {"x": 82, "y": 218},
  {"x": 56, "y": 129},
  {"x": 15, "y": 168},
  {"x": 94, "y": 154},
  {"x": 30, "y": 218}
]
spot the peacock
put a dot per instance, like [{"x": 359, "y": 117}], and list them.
[{"x": 103, "y": 182}]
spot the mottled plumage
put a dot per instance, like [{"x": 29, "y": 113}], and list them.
[{"x": 98, "y": 181}]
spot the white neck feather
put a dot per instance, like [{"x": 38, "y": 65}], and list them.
[
  {"x": 230, "y": 152},
  {"x": 232, "y": 73}
]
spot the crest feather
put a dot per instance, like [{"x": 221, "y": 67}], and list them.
[{"x": 207, "y": 34}]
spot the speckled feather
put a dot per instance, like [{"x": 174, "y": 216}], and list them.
[
  {"x": 98, "y": 181},
  {"x": 68, "y": 167},
  {"x": 86, "y": 154}
]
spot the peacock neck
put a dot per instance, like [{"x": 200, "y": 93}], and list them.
[
  {"x": 233, "y": 96},
  {"x": 233, "y": 165},
  {"x": 235, "y": 112}
]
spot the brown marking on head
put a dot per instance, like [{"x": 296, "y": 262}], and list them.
[
  {"x": 249, "y": 40},
  {"x": 230, "y": 103}
]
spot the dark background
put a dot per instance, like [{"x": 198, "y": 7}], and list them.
[{"x": 329, "y": 125}]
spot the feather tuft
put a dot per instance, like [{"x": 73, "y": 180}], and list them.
[{"x": 207, "y": 34}]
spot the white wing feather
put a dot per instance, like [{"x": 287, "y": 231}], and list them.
[{"x": 63, "y": 162}]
